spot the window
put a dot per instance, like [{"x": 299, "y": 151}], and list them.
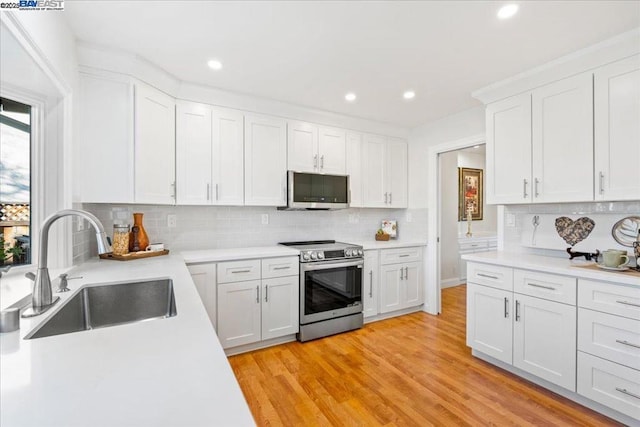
[{"x": 15, "y": 182}]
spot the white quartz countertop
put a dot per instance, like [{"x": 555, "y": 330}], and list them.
[
  {"x": 215, "y": 255},
  {"x": 551, "y": 265},
  {"x": 163, "y": 372},
  {"x": 389, "y": 244}
]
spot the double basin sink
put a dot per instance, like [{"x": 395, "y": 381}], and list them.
[{"x": 104, "y": 305}]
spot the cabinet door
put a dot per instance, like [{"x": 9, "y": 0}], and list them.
[
  {"x": 106, "y": 132},
  {"x": 414, "y": 294},
  {"x": 392, "y": 291},
  {"x": 563, "y": 140},
  {"x": 489, "y": 324},
  {"x": 204, "y": 277},
  {"x": 332, "y": 149},
  {"x": 373, "y": 172},
  {"x": 370, "y": 283},
  {"x": 617, "y": 130},
  {"x": 227, "y": 187},
  {"x": 193, "y": 153},
  {"x": 239, "y": 313},
  {"x": 544, "y": 340},
  {"x": 302, "y": 147},
  {"x": 155, "y": 146},
  {"x": 354, "y": 167},
  {"x": 265, "y": 157},
  {"x": 397, "y": 169},
  {"x": 280, "y": 306},
  {"x": 508, "y": 124}
]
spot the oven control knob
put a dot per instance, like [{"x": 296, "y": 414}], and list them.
[
  {"x": 313, "y": 255},
  {"x": 320, "y": 255},
  {"x": 305, "y": 257},
  {"x": 360, "y": 253},
  {"x": 347, "y": 252}
]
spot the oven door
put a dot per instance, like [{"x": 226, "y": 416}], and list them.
[{"x": 330, "y": 289}]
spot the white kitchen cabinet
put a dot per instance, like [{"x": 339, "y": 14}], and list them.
[
  {"x": 392, "y": 290},
  {"x": 469, "y": 245},
  {"x": 562, "y": 114},
  {"x": 384, "y": 172},
  {"x": 265, "y": 161},
  {"x": 617, "y": 130},
  {"x": 106, "y": 132},
  {"x": 401, "y": 284},
  {"x": 370, "y": 285},
  {"x": 154, "y": 176},
  {"x": 354, "y": 168},
  {"x": 489, "y": 324},
  {"x": 280, "y": 304},
  {"x": 508, "y": 127},
  {"x": 316, "y": 149},
  {"x": 544, "y": 339},
  {"x": 540, "y": 144},
  {"x": 209, "y": 155},
  {"x": 204, "y": 277},
  {"x": 239, "y": 313}
]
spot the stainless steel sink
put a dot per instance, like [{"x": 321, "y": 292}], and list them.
[{"x": 102, "y": 305}]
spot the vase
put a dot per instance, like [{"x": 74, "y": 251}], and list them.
[{"x": 140, "y": 241}]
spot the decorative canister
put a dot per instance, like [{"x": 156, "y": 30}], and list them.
[
  {"x": 120, "y": 239},
  {"x": 143, "y": 239}
]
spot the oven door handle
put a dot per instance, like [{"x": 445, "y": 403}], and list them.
[{"x": 311, "y": 266}]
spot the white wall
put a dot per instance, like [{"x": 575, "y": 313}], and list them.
[{"x": 488, "y": 224}]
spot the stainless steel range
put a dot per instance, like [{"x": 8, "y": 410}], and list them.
[{"x": 330, "y": 287}]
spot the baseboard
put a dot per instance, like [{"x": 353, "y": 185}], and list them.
[{"x": 450, "y": 283}]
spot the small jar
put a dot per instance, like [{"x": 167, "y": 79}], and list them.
[{"x": 120, "y": 239}]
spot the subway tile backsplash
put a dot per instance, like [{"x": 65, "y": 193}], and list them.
[{"x": 213, "y": 227}]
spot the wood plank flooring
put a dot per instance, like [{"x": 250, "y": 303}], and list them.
[{"x": 413, "y": 370}]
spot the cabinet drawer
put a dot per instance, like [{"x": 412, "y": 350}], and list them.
[
  {"x": 238, "y": 271},
  {"x": 490, "y": 275},
  {"x": 470, "y": 247},
  {"x": 613, "y": 385},
  {"x": 547, "y": 286},
  {"x": 280, "y": 267},
  {"x": 395, "y": 256},
  {"x": 610, "y": 298},
  {"x": 611, "y": 337}
]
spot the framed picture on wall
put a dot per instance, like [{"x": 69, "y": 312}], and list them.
[{"x": 470, "y": 193}]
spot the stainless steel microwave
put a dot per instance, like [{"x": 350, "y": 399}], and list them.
[{"x": 316, "y": 191}]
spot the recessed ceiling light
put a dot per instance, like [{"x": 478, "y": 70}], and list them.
[
  {"x": 409, "y": 94},
  {"x": 507, "y": 11},
  {"x": 350, "y": 97},
  {"x": 215, "y": 64}
]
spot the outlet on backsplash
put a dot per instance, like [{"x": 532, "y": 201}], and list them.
[{"x": 172, "y": 221}]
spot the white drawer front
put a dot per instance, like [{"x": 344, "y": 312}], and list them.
[
  {"x": 543, "y": 285},
  {"x": 611, "y": 337},
  {"x": 238, "y": 271},
  {"x": 610, "y": 298},
  {"x": 395, "y": 256},
  {"x": 490, "y": 275},
  {"x": 472, "y": 246},
  {"x": 280, "y": 267},
  {"x": 613, "y": 385}
]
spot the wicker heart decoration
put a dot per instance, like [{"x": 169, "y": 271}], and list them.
[{"x": 574, "y": 232}]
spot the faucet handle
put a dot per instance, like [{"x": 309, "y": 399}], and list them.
[
  {"x": 30, "y": 275},
  {"x": 62, "y": 287}
]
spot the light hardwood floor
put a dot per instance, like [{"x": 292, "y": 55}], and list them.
[{"x": 411, "y": 370}]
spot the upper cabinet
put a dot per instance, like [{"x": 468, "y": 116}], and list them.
[
  {"x": 354, "y": 168},
  {"x": 265, "y": 161},
  {"x": 384, "y": 172},
  {"x": 318, "y": 149},
  {"x": 617, "y": 130},
  {"x": 209, "y": 155},
  {"x": 154, "y": 171},
  {"x": 540, "y": 144}
]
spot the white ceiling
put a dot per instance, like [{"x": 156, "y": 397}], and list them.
[{"x": 312, "y": 53}]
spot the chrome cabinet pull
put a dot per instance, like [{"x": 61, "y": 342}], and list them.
[
  {"x": 208, "y": 192},
  {"x": 403, "y": 256},
  {"x": 258, "y": 294},
  {"x": 315, "y": 161},
  {"x": 266, "y": 293},
  {"x": 216, "y": 191},
  {"x": 535, "y": 285},
  {"x": 601, "y": 185},
  {"x": 370, "y": 283},
  {"x": 524, "y": 189},
  {"x": 401, "y": 270},
  {"x": 322, "y": 162},
  {"x": 173, "y": 190},
  {"x": 386, "y": 198},
  {"x": 628, "y": 303},
  {"x": 506, "y": 307},
  {"x": 406, "y": 273},
  {"x": 241, "y": 271},
  {"x": 517, "y": 310},
  {"x": 282, "y": 268},
  {"x": 488, "y": 276},
  {"x": 390, "y": 197},
  {"x": 628, "y": 393},
  {"x": 536, "y": 182},
  {"x": 628, "y": 343}
]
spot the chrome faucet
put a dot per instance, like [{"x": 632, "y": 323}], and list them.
[{"x": 41, "y": 299}]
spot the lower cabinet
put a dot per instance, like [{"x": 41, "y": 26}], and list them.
[
  {"x": 370, "y": 283},
  {"x": 401, "y": 286},
  {"x": 204, "y": 277},
  {"x": 280, "y": 313}
]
